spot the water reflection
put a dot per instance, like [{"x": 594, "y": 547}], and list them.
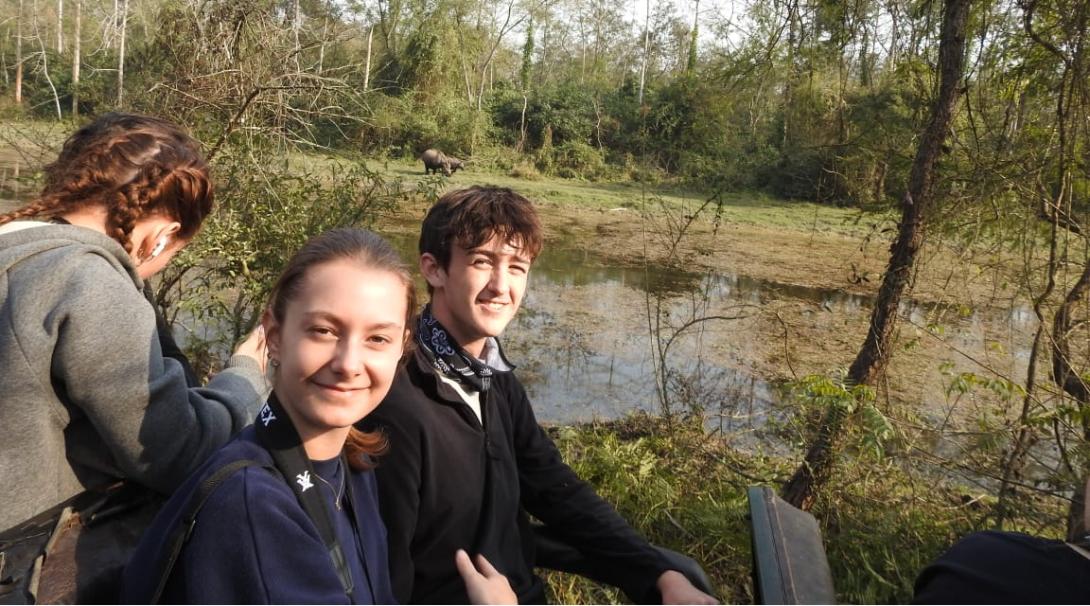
[{"x": 585, "y": 351}]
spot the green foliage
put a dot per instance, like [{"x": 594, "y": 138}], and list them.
[
  {"x": 577, "y": 160},
  {"x": 818, "y": 393},
  {"x": 264, "y": 213},
  {"x": 406, "y": 126},
  {"x": 882, "y": 520},
  {"x": 566, "y": 111},
  {"x": 527, "y": 57},
  {"x": 675, "y": 487}
]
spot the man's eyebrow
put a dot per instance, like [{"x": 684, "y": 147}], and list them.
[{"x": 518, "y": 256}]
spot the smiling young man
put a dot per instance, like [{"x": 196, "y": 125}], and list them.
[{"x": 467, "y": 459}]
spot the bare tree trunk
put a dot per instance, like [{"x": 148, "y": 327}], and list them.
[
  {"x": 4, "y": 60},
  {"x": 1073, "y": 384},
  {"x": 296, "y": 24},
  {"x": 646, "y": 50},
  {"x": 19, "y": 55},
  {"x": 522, "y": 125},
  {"x": 60, "y": 26},
  {"x": 506, "y": 27},
  {"x": 792, "y": 69},
  {"x": 916, "y": 205},
  {"x": 367, "y": 65},
  {"x": 45, "y": 62},
  {"x": 321, "y": 47},
  {"x": 76, "y": 59},
  {"x": 121, "y": 53},
  {"x": 583, "y": 51},
  {"x": 545, "y": 46}
]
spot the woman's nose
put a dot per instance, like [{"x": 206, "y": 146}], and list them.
[{"x": 349, "y": 359}]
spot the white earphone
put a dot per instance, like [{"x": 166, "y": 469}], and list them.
[{"x": 160, "y": 246}]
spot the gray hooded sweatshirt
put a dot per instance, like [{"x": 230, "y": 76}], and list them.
[{"x": 86, "y": 396}]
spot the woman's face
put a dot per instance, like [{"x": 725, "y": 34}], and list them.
[{"x": 338, "y": 345}]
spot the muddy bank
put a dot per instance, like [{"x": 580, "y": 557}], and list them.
[{"x": 798, "y": 303}]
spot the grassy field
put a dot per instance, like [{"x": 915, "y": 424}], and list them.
[{"x": 741, "y": 208}]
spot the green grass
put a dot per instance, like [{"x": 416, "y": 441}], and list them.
[
  {"x": 754, "y": 209},
  {"x": 35, "y": 142},
  {"x": 882, "y": 519}
]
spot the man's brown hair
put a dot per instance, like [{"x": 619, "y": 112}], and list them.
[{"x": 472, "y": 216}]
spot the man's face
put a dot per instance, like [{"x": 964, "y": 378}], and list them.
[{"x": 477, "y": 295}]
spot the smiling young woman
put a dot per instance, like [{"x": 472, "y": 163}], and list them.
[{"x": 294, "y": 518}]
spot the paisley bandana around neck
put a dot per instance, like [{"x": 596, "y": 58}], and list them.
[{"x": 448, "y": 357}]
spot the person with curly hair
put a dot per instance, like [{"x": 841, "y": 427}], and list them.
[{"x": 88, "y": 396}]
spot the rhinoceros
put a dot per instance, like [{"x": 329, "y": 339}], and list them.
[{"x": 436, "y": 160}]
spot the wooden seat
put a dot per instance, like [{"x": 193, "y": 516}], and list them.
[{"x": 789, "y": 563}]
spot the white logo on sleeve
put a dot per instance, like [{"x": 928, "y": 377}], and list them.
[
  {"x": 303, "y": 480},
  {"x": 267, "y": 415}
]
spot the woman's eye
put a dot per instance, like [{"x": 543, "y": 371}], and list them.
[
  {"x": 380, "y": 339},
  {"x": 322, "y": 331}
]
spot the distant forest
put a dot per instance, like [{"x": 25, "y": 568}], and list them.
[{"x": 810, "y": 99}]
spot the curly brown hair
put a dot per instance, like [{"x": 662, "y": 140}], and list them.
[{"x": 135, "y": 166}]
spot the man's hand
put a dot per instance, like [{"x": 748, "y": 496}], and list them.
[
  {"x": 676, "y": 589},
  {"x": 484, "y": 584}
]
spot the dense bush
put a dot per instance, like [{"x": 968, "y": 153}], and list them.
[{"x": 216, "y": 288}]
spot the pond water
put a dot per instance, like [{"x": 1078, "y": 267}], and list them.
[{"x": 585, "y": 346}]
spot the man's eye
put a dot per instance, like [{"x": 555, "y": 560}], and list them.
[{"x": 519, "y": 269}]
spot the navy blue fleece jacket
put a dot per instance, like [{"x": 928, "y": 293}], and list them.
[{"x": 254, "y": 544}]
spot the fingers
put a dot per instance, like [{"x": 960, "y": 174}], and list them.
[
  {"x": 464, "y": 565},
  {"x": 486, "y": 567}
]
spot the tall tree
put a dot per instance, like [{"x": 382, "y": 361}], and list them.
[
  {"x": 124, "y": 16},
  {"x": 916, "y": 208},
  {"x": 19, "y": 55},
  {"x": 76, "y": 49},
  {"x": 690, "y": 65},
  {"x": 646, "y": 52}
]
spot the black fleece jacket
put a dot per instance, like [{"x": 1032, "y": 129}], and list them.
[{"x": 447, "y": 483}]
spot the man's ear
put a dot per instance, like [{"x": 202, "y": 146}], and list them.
[{"x": 432, "y": 271}]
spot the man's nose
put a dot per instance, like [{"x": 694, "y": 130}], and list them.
[{"x": 498, "y": 280}]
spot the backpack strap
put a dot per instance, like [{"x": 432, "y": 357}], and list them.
[
  {"x": 183, "y": 530},
  {"x": 276, "y": 433}
]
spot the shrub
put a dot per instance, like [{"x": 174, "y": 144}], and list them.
[
  {"x": 216, "y": 288},
  {"x": 577, "y": 160}
]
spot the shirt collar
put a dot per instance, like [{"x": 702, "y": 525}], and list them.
[{"x": 492, "y": 355}]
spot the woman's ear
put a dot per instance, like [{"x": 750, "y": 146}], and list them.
[
  {"x": 162, "y": 235},
  {"x": 272, "y": 333}
]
